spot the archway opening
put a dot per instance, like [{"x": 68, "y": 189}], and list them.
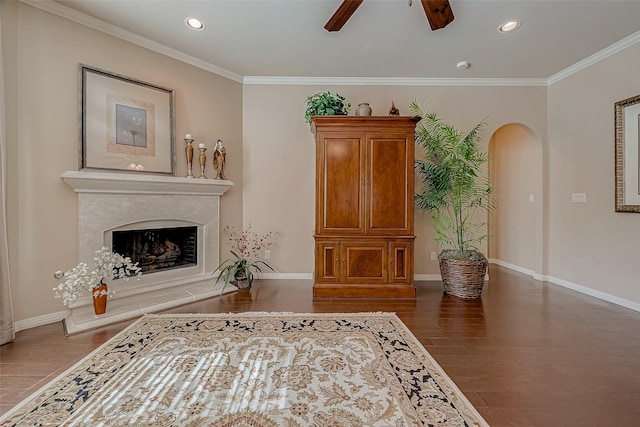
[{"x": 516, "y": 226}]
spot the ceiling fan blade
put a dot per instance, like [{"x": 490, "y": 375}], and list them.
[
  {"x": 342, "y": 15},
  {"x": 438, "y": 12}
]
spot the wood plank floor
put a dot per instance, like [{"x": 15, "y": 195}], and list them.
[{"x": 528, "y": 353}]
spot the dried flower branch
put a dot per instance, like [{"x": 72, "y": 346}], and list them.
[{"x": 248, "y": 243}]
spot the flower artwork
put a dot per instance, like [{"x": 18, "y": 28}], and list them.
[{"x": 81, "y": 280}]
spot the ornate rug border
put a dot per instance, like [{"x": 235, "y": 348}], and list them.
[{"x": 406, "y": 332}]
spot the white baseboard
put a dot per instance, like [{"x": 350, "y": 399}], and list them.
[
  {"x": 309, "y": 276},
  {"x": 427, "y": 277},
  {"x": 513, "y": 267},
  {"x": 570, "y": 285},
  {"x": 594, "y": 293},
  {"x": 45, "y": 319},
  {"x": 286, "y": 276}
]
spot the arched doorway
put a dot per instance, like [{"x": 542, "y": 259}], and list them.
[{"x": 516, "y": 238}]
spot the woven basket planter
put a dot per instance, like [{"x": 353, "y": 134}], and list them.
[{"x": 463, "y": 279}]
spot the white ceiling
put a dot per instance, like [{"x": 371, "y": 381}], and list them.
[{"x": 384, "y": 38}]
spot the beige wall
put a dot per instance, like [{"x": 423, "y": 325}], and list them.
[
  {"x": 271, "y": 154},
  {"x": 590, "y": 244},
  {"x": 42, "y": 52},
  {"x": 279, "y": 163}
]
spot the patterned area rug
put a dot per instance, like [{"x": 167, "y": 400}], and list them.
[{"x": 253, "y": 369}]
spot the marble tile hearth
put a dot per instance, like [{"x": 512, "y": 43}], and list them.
[{"x": 109, "y": 202}]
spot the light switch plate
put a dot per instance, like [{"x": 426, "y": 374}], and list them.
[{"x": 578, "y": 197}]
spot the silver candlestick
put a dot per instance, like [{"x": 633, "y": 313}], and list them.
[
  {"x": 203, "y": 161},
  {"x": 188, "y": 152}
]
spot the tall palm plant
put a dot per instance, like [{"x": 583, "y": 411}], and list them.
[{"x": 455, "y": 184}]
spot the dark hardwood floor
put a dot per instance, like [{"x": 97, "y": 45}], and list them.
[{"x": 527, "y": 354}]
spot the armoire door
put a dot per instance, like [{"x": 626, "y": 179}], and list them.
[
  {"x": 327, "y": 262},
  {"x": 389, "y": 184},
  {"x": 340, "y": 171},
  {"x": 401, "y": 262}
]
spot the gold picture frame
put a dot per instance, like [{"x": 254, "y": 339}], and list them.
[
  {"x": 627, "y": 158},
  {"x": 126, "y": 124}
]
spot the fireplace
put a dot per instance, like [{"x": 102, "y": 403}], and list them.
[
  {"x": 168, "y": 224},
  {"x": 159, "y": 249}
]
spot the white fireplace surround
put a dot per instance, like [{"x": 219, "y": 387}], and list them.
[{"x": 110, "y": 202}]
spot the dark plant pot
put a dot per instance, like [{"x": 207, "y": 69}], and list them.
[
  {"x": 241, "y": 282},
  {"x": 463, "y": 278}
]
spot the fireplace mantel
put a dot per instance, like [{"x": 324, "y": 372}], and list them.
[
  {"x": 109, "y": 202},
  {"x": 102, "y": 182}
]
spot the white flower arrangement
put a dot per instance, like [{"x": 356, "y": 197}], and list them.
[{"x": 108, "y": 265}]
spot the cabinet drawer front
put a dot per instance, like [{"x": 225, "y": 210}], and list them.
[
  {"x": 390, "y": 184},
  {"x": 364, "y": 262}
]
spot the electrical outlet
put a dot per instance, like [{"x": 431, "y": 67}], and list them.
[
  {"x": 433, "y": 256},
  {"x": 267, "y": 254}
]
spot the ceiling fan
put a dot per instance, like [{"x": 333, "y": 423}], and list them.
[{"x": 438, "y": 12}]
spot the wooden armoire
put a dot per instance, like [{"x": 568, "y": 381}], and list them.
[{"x": 364, "y": 206}]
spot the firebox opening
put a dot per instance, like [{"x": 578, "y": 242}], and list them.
[{"x": 158, "y": 249}]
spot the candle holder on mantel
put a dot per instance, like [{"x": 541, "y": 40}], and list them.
[
  {"x": 203, "y": 160},
  {"x": 188, "y": 152}
]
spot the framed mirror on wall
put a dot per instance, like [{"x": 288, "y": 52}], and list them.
[{"x": 627, "y": 131}]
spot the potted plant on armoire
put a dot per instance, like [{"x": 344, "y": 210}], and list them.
[
  {"x": 325, "y": 104},
  {"x": 455, "y": 186}
]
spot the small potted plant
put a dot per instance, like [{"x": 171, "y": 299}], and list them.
[
  {"x": 325, "y": 104},
  {"x": 455, "y": 185},
  {"x": 80, "y": 280},
  {"x": 246, "y": 247}
]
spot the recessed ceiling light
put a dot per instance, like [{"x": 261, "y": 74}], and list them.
[
  {"x": 509, "y": 26},
  {"x": 194, "y": 24}
]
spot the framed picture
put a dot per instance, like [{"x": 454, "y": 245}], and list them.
[
  {"x": 628, "y": 155},
  {"x": 127, "y": 125}
]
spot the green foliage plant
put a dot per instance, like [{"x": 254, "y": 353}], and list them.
[
  {"x": 238, "y": 267},
  {"x": 325, "y": 104},
  {"x": 455, "y": 184}
]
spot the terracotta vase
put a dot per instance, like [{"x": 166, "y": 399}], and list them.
[{"x": 99, "y": 300}]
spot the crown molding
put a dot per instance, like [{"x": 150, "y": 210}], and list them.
[
  {"x": 388, "y": 81},
  {"x": 115, "y": 31},
  {"x": 595, "y": 58}
]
